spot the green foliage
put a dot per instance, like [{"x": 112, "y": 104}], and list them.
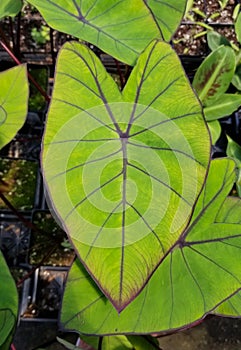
[
  {"x": 234, "y": 151},
  {"x": 209, "y": 243},
  {"x": 13, "y": 102},
  {"x": 40, "y": 36},
  {"x": 10, "y": 7},
  {"x": 123, "y": 138},
  {"x": 8, "y": 305},
  {"x": 116, "y": 27}
]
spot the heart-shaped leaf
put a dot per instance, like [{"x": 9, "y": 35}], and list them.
[
  {"x": 114, "y": 26},
  {"x": 184, "y": 287},
  {"x": 215, "y": 74},
  {"x": 123, "y": 170},
  {"x": 10, "y": 7},
  {"x": 13, "y": 102},
  {"x": 8, "y": 305}
]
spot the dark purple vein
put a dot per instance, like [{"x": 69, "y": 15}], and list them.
[
  {"x": 100, "y": 230},
  {"x": 85, "y": 111},
  {"x": 205, "y": 208},
  {"x": 165, "y": 121},
  {"x": 91, "y": 193},
  {"x": 81, "y": 83},
  {"x": 90, "y": 8},
  {"x": 86, "y": 163},
  {"x": 161, "y": 182},
  {"x": 154, "y": 18},
  {"x": 211, "y": 240},
  {"x": 141, "y": 308},
  {"x": 124, "y": 22},
  {"x": 173, "y": 150},
  {"x": 78, "y": 9},
  {"x": 147, "y": 225},
  {"x": 164, "y": 23},
  {"x": 236, "y": 204},
  {"x": 157, "y": 96},
  {"x": 195, "y": 280},
  {"x": 118, "y": 130},
  {"x": 79, "y": 141},
  {"x": 103, "y": 13},
  {"x": 215, "y": 263},
  {"x": 124, "y": 172}
]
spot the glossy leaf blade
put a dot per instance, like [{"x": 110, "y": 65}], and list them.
[
  {"x": 8, "y": 305},
  {"x": 10, "y": 7},
  {"x": 13, "y": 102},
  {"x": 115, "y": 164},
  {"x": 202, "y": 259},
  {"x": 116, "y": 27},
  {"x": 214, "y": 75},
  {"x": 224, "y": 106}
]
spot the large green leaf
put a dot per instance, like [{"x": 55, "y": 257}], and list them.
[
  {"x": 13, "y": 102},
  {"x": 8, "y": 305},
  {"x": 224, "y": 106},
  {"x": 114, "y": 26},
  {"x": 123, "y": 170},
  {"x": 199, "y": 272},
  {"x": 215, "y": 74},
  {"x": 10, "y": 7}
]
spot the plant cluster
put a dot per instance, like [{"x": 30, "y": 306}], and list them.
[{"x": 129, "y": 174}]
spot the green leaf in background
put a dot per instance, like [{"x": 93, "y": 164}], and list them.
[
  {"x": 8, "y": 305},
  {"x": 214, "y": 75},
  {"x": 10, "y": 7},
  {"x": 234, "y": 151},
  {"x": 13, "y": 102},
  {"x": 215, "y": 40},
  {"x": 236, "y": 81},
  {"x": 215, "y": 130},
  {"x": 237, "y": 26},
  {"x": 123, "y": 170},
  {"x": 116, "y": 27},
  {"x": 223, "y": 106},
  {"x": 184, "y": 287}
]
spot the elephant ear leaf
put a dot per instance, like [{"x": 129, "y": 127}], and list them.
[
  {"x": 162, "y": 305},
  {"x": 123, "y": 170},
  {"x": 116, "y": 27},
  {"x": 13, "y": 102},
  {"x": 10, "y": 7},
  {"x": 8, "y": 306}
]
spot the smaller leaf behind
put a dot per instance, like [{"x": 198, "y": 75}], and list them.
[
  {"x": 10, "y": 7},
  {"x": 238, "y": 27},
  {"x": 214, "y": 75},
  {"x": 13, "y": 102},
  {"x": 223, "y": 106}
]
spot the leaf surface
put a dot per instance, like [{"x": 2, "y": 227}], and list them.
[
  {"x": 10, "y": 7},
  {"x": 224, "y": 106},
  {"x": 8, "y": 305},
  {"x": 123, "y": 170},
  {"x": 184, "y": 287},
  {"x": 214, "y": 75},
  {"x": 13, "y": 102},
  {"x": 238, "y": 28},
  {"x": 114, "y": 26}
]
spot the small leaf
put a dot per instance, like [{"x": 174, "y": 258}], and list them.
[
  {"x": 10, "y": 7},
  {"x": 215, "y": 40},
  {"x": 234, "y": 151},
  {"x": 215, "y": 130},
  {"x": 68, "y": 345},
  {"x": 13, "y": 102},
  {"x": 237, "y": 26},
  {"x": 184, "y": 287},
  {"x": 236, "y": 81},
  {"x": 115, "y": 164},
  {"x": 214, "y": 75},
  {"x": 224, "y": 106},
  {"x": 8, "y": 305},
  {"x": 116, "y": 27}
]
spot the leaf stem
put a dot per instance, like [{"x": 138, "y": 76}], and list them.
[{"x": 100, "y": 343}]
